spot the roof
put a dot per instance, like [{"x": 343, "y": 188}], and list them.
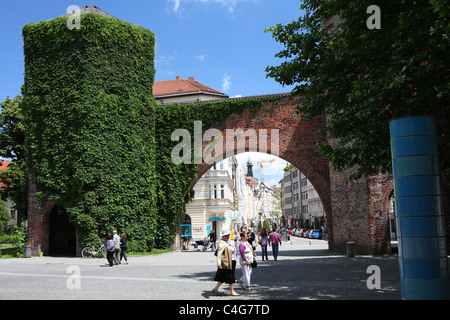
[
  {"x": 257, "y": 97},
  {"x": 90, "y": 9},
  {"x": 180, "y": 86},
  {"x": 251, "y": 181},
  {"x": 3, "y": 165}
]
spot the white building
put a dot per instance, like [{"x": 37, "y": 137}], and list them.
[
  {"x": 213, "y": 207},
  {"x": 259, "y": 199},
  {"x": 184, "y": 91}
]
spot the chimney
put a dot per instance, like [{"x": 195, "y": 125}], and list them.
[
  {"x": 191, "y": 78},
  {"x": 177, "y": 78}
]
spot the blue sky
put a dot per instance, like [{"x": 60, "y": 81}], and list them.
[{"x": 221, "y": 43}]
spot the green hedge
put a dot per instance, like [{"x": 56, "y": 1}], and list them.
[{"x": 99, "y": 144}]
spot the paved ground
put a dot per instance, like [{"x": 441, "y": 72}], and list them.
[{"x": 304, "y": 270}]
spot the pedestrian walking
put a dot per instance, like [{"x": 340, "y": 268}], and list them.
[
  {"x": 246, "y": 260},
  {"x": 212, "y": 239},
  {"x": 251, "y": 238},
  {"x": 264, "y": 236},
  {"x": 234, "y": 255},
  {"x": 123, "y": 248},
  {"x": 274, "y": 240},
  {"x": 116, "y": 239},
  {"x": 110, "y": 250},
  {"x": 224, "y": 272}
]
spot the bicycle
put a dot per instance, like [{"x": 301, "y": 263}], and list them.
[{"x": 89, "y": 252}]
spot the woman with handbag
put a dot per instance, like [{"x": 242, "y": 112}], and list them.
[
  {"x": 224, "y": 272},
  {"x": 246, "y": 261}
]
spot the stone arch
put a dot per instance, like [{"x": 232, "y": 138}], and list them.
[{"x": 297, "y": 138}]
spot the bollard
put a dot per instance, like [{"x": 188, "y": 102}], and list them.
[
  {"x": 27, "y": 252},
  {"x": 350, "y": 249}
]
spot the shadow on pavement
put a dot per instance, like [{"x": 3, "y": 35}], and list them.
[{"x": 315, "y": 275}]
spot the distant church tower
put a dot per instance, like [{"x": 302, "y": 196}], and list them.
[{"x": 249, "y": 169}]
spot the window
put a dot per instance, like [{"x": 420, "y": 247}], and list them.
[
  {"x": 216, "y": 191},
  {"x": 304, "y": 182}
]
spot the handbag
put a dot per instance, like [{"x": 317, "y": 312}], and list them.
[
  {"x": 260, "y": 241},
  {"x": 254, "y": 264}
]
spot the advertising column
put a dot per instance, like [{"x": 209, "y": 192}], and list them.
[{"x": 420, "y": 221}]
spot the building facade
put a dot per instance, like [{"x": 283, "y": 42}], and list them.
[
  {"x": 213, "y": 207},
  {"x": 184, "y": 91},
  {"x": 301, "y": 204}
]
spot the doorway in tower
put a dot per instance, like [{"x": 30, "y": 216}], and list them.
[{"x": 62, "y": 233}]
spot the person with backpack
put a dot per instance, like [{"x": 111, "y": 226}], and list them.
[{"x": 274, "y": 240}]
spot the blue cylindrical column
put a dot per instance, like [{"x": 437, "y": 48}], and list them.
[{"x": 422, "y": 246}]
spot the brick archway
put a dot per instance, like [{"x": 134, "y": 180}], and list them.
[{"x": 297, "y": 142}]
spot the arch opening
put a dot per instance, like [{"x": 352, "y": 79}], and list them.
[
  {"x": 247, "y": 190},
  {"x": 62, "y": 234}
]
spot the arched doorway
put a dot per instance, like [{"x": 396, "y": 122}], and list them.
[{"x": 62, "y": 233}]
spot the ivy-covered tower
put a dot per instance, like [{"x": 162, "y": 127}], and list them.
[{"x": 90, "y": 123}]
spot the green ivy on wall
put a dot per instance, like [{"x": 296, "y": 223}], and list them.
[{"x": 98, "y": 142}]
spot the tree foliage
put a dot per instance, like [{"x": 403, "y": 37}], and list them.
[
  {"x": 12, "y": 145},
  {"x": 362, "y": 78}
]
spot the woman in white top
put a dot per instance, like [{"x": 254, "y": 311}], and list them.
[{"x": 246, "y": 259}]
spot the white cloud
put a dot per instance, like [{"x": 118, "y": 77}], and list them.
[
  {"x": 165, "y": 60},
  {"x": 200, "y": 57},
  {"x": 176, "y": 5},
  {"x": 164, "y": 64},
  {"x": 226, "y": 83}
]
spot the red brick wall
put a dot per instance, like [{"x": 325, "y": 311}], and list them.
[
  {"x": 349, "y": 219},
  {"x": 380, "y": 187}
]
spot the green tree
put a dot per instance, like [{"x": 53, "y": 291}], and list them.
[
  {"x": 12, "y": 147},
  {"x": 361, "y": 78},
  {"x": 4, "y": 217}
]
